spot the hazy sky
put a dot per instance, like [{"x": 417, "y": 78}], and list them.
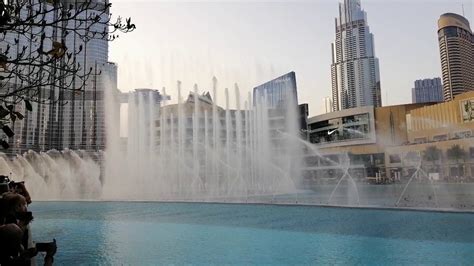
[{"x": 251, "y": 42}]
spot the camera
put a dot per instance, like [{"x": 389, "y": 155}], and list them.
[
  {"x": 15, "y": 185},
  {"x": 25, "y": 217},
  {"x": 47, "y": 247},
  {"x": 4, "y": 184},
  {"x": 7, "y": 185}
]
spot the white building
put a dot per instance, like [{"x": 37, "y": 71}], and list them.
[{"x": 355, "y": 69}]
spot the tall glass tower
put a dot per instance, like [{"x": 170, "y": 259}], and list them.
[
  {"x": 456, "y": 47},
  {"x": 72, "y": 120},
  {"x": 355, "y": 69}
]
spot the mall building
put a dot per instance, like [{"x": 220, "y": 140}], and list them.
[{"x": 395, "y": 141}]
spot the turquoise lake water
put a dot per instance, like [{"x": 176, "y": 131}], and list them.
[{"x": 134, "y": 233}]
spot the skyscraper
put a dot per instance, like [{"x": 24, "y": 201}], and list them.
[
  {"x": 355, "y": 69},
  {"x": 456, "y": 47},
  {"x": 327, "y": 105},
  {"x": 281, "y": 98},
  {"x": 427, "y": 91},
  {"x": 72, "y": 120},
  {"x": 277, "y": 93}
]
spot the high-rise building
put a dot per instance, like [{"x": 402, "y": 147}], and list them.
[
  {"x": 327, "y": 105},
  {"x": 427, "y": 91},
  {"x": 277, "y": 93},
  {"x": 33, "y": 128},
  {"x": 355, "y": 69},
  {"x": 81, "y": 116},
  {"x": 74, "y": 120},
  {"x": 456, "y": 46},
  {"x": 281, "y": 97}
]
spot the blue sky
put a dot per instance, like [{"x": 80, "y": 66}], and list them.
[{"x": 250, "y": 42}]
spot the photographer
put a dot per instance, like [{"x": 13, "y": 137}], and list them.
[
  {"x": 10, "y": 246},
  {"x": 19, "y": 188},
  {"x": 14, "y": 227}
]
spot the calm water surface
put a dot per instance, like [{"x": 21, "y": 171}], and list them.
[{"x": 104, "y": 233}]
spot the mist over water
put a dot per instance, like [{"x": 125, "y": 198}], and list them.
[
  {"x": 54, "y": 175},
  {"x": 206, "y": 151},
  {"x": 202, "y": 152}
]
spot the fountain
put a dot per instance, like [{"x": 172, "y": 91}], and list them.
[
  {"x": 54, "y": 175},
  {"x": 416, "y": 175},
  {"x": 198, "y": 151}
]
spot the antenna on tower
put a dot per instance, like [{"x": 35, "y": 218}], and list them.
[{"x": 462, "y": 5}]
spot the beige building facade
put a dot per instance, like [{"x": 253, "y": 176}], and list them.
[{"x": 400, "y": 138}]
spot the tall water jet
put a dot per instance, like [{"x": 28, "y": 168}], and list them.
[
  {"x": 239, "y": 142},
  {"x": 55, "y": 175},
  {"x": 216, "y": 133},
  {"x": 228, "y": 127},
  {"x": 196, "y": 160},
  {"x": 195, "y": 150}
]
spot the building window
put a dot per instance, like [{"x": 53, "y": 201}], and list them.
[
  {"x": 341, "y": 129},
  {"x": 440, "y": 138},
  {"x": 420, "y": 140},
  {"x": 471, "y": 152},
  {"x": 449, "y": 32},
  {"x": 395, "y": 158},
  {"x": 462, "y": 135}
]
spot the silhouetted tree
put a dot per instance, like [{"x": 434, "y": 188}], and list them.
[
  {"x": 44, "y": 62},
  {"x": 458, "y": 155},
  {"x": 432, "y": 154}
]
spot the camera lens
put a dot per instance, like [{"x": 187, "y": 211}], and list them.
[{"x": 4, "y": 188}]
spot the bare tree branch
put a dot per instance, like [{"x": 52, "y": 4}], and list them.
[{"x": 34, "y": 56}]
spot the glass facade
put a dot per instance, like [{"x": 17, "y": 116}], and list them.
[
  {"x": 74, "y": 120},
  {"x": 449, "y": 32},
  {"x": 355, "y": 74},
  {"x": 278, "y": 93},
  {"x": 341, "y": 129}
]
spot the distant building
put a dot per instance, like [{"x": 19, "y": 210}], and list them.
[
  {"x": 281, "y": 97},
  {"x": 362, "y": 133},
  {"x": 144, "y": 105},
  {"x": 427, "y": 90},
  {"x": 456, "y": 46},
  {"x": 277, "y": 93},
  {"x": 391, "y": 140},
  {"x": 355, "y": 68},
  {"x": 74, "y": 120},
  {"x": 327, "y": 105},
  {"x": 168, "y": 122}
]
